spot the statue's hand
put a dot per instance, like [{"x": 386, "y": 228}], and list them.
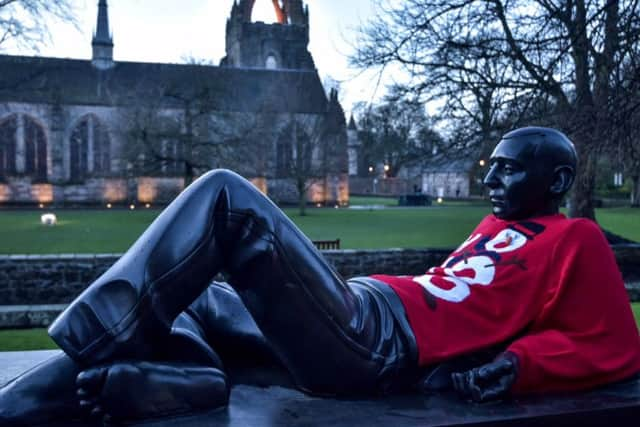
[{"x": 488, "y": 382}]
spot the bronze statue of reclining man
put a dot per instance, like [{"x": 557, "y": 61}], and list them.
[{"x": 539, "y": 293}]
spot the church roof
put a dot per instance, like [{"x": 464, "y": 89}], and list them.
[
  {"x": 448, "y": 163},
  {"x": 77, "y": 82}
]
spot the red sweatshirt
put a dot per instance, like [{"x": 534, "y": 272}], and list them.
[{"x": 549, "y": 285}]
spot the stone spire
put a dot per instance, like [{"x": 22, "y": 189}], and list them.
[
  {"x": 335, "y": 111},
  {"x": 352, "y": 123},
  {"x": 102, "y": 42}
]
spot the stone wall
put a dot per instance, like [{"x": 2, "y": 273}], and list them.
[{"x": 57, "y": 279}]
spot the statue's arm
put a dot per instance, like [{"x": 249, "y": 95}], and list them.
[
  {"x": 584, "y": 335},
  {"x": 490, "y": 381}
]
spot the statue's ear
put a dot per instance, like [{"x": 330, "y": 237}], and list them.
[{"x": 562, "y": 180}]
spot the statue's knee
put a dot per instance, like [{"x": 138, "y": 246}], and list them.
[{"x": 221, "y": 177}]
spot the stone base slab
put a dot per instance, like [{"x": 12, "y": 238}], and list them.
[{"x": 615, "y": 405}]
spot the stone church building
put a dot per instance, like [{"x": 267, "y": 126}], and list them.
[{"x": 102, "y": 131}]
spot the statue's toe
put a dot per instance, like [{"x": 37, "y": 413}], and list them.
[{"x": 91, "y": 380}]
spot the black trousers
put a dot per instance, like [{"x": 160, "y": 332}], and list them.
[{"x": 333, "y": 336}]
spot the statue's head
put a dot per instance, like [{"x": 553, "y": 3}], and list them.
[{"x": 530, "y": 171}]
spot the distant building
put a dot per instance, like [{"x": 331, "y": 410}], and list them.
[
  {"x": 446, "y": 177},
  {"x": 73, "y": 131}
]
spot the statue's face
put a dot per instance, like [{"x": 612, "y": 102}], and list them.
[{"x": 518, "y": 181}]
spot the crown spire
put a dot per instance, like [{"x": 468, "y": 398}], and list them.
[{"x": 102, "y": 43}]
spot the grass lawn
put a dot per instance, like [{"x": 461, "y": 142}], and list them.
[
  {"x": 102, "y": 231},
  {"x": 37, "y": 339},
  {"x": 636, "y": 312},
  {"x": 25, "y": 339}
]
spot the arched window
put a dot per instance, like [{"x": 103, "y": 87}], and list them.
[
  {"x": 304, "y": 150},
  {"x": 294, "y": 152},
  {"x": 284, "y": 155},
  {"x": 35, "y": 143},
  {"x": 23, "y": 147},
  {"x": 78, "y": 146},
  {"x": 170, "y": 155},
  {"x": 271, "y": 63},
  {"x": 101, "y": 148},
  {"x": 8, "y": 131},
  {"x": 90, "y": 149}
]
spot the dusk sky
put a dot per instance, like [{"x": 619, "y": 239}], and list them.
[{"x": 172, "y": 31}]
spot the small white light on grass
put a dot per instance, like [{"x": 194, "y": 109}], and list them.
[
  {"x": 439, "y": 199},
  {"x": 132, "y": 207},
  {"x": 48, "y": 219},
  {"x": 108, "y": 205},
  {"x": 148, "y": 205},
  {"x": 318, "y": 205},
  {"x": 41, "y": 205}
]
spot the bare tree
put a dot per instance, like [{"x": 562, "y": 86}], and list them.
[
  {"x": 177, "y": 131},
  {"x": 397, "y": 132},
  {"x": 624, "y": 144},
  {"x": 310, "y": 151},
  {"x": 26, "y": 23},
  {"x": 565, "y": 50}
]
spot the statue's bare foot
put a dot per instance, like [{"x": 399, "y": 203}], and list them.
[{"x": 133, "y": 390}]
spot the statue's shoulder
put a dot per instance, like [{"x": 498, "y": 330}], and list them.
[{"x": 582, "y": 230}]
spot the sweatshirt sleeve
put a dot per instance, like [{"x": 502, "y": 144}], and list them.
[{"x": 585, "y": 334}]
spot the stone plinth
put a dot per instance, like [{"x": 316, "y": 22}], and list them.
[{"x": 616, "y": 405}]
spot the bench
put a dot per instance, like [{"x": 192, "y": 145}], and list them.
[{"x": 327, "y": 244}]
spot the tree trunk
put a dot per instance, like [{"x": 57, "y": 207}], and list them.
[
  {"x": 302, "y": 197},
  {"x": 302, "y": 205},
  {"x": 188, "y": 174},
  {"x": 635, "y": 191},
  {"x": 582, "y": 197}
]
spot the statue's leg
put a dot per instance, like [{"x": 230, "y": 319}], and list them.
[
  {"x": 247, "y": 356},
  {"x": 49, "y": 391},
  {"x": 250, "y": 358},
  {"x": 332, "y": 336},
  {"x": 43, "y": 393},
  {"x": 187, "y": 377},
  {"x": 128, "y": 311}
]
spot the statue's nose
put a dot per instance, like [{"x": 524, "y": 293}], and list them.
[{"x": 490, "y": 178}]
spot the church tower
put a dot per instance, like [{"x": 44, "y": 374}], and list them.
[
  {"x": 282, "y": 45},
  {"x": 102, "y": 42}
]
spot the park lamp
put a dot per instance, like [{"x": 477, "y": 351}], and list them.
[
  {"x": 439, "y": 200},
  {"x": 48, "y": 219},
  {"x": 482, "y": 163},
  {"x": 386, "y": 168}
]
